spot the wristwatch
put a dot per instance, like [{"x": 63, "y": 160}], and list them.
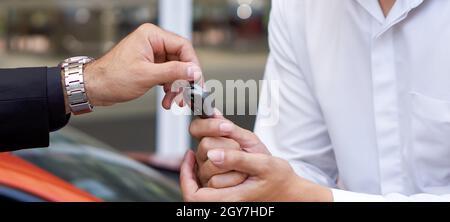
[{"x": 73, "y": 70}]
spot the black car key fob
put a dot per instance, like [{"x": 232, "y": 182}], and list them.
[{"x": 199, "y": 100}]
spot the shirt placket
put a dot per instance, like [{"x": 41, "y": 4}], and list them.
[
  {"x": 386, "y": 110},
  {"x": 386, "y": 98}
]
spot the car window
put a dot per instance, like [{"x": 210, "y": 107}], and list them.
[{"x": 103, "y": 173}]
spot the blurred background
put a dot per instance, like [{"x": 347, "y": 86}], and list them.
[{"x": 230, "y": 37}]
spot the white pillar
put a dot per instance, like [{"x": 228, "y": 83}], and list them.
[{"x": 172, "y": 137}]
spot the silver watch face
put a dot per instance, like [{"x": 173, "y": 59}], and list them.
[{"x": 78, "y": 59}]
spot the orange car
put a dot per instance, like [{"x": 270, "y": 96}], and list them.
[
  {"x": 23, "y": 181},
  {"x": 74, "y": 169}
]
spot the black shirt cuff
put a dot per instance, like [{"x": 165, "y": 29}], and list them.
[{"x": 55, "y": 97}]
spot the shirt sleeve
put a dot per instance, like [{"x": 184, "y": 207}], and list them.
[
  {"x": 290, "y": 121},
  {"x": 347, "y": 196},
  {"x": 31, "y": 106}
]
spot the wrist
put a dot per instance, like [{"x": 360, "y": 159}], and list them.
[
  {"x": 312, "y": 192},
  {"x": 91, "y": 73},
  {"x": 301, "y": 190}
]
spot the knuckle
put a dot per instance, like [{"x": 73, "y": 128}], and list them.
[
  {"x": 282, "y": 164},
  {"x": 176, "y": 68},
  {"x": 265, "y": 168},
  {"x": 238, "y": 178},
  {"x": 253, "y": 136},
  {"x": 266, "y": 163},
  {"x": 185, "y": 41},
  {"x": 242, "y": 176},
  {"x": 193, "y": 128},
  {"x": 146, "y": 27},
  {"x": 235, "y": 145},
  {"x": 212, "y": 125},
  {"x": 206, "y": 144},
  {"x": 171, "y": 67},
  {"x": 279, "y": 162},
  {"x": 207, "y": 172},
  {"x": 235, "y": 159},
  {"x": 266, "y": 159},
  {"x": 202, "y": 177},
  {"x": 226, "y": 179},
  {"x": 213, "y": 182},
  {"x": 210, "y": 171},
  {"x": 276, "y": 165},
  {"x": 200, "y": 156}
]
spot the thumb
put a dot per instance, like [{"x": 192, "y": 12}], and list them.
[
  {"x": 250, "y": 163},
  {"x": 162, "y": 73},
  {"x": 188, "y": 179}
]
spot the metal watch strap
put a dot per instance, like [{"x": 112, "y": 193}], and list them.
[{"x": 73, "y": 69}]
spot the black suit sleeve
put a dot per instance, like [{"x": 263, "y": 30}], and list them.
[{"x": 31, "y": 106}]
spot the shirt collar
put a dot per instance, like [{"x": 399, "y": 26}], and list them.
[
  {"x": 399, "y": 10},
  {"x": 373, "y": 8}
]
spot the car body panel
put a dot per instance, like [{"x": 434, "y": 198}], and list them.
[
  {"x": 77, "y": 168},
  {"x": 22, "y": 175}
]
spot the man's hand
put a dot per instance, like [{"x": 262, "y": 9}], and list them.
[
  {"x": 232, "y": 164},
  {"x": 270, "y": 179},
  {"x": 219, "y": 133},
  {"x": 147, "y": 57}
]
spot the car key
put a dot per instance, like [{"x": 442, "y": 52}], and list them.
[{"x": 195, "y": 96}]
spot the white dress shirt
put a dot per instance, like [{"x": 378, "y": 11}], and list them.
[{"x": 364, "y": 99}]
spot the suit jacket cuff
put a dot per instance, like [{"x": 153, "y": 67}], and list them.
[{"x": 55, "y": 97}]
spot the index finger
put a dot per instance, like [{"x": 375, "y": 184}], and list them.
[
  {"x": 176, "y": 45},
  {"x": 220, "y": 127},
  {"x": 254, "y": 164}
]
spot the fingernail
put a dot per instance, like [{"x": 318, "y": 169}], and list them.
[
  {"x": 194, "y": 72},
  {"x": 226, "y": 127},
  {"x": 216, "y": 156}
]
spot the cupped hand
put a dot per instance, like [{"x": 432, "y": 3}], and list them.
[
  {"x": 269, "y": 179},
  {"x": 219, "y": 133}
]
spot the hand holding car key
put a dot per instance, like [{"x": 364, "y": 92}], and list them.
[{"x": 197, "y": 98}]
